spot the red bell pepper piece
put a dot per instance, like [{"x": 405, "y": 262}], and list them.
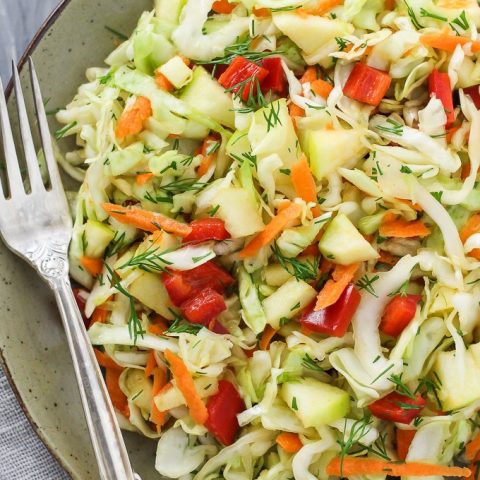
[
  {"x": 397, "y": 408},
  {"x": 367, "y": 84},
  {"x": 398, "y": 314},
  {"x": 204, "y": 307},
  {"x": 241, "y": 77},
  {"x": 207, "y": 229},
  {"x": 333, "y": 320},
  {"x": 439, "y": 85},
  {"x": 80, "y": 297},
  {"x": 217, "y": 327},
  {"x": 276, "y": 80},
  {"x": 223, "y": 408},
  {"x": 183, "y": 285},
  {"x": 179, "y": 290},
  {"x": 474, "y": 93}
]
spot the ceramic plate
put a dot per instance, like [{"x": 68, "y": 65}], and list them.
[{"x": 32, "y": 342}]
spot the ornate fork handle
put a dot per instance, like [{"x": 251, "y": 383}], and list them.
[{"x": 51, "y": 262}]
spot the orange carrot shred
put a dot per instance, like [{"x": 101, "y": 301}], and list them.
[
  {"x": 414, "y": 206},
  {"x": 100, "y": 315},
  {"x": 158, "y": 326},
  {"x": 223, "y": 6},
  {"x": 105, "y": 361},
  {"x": 261, "y": 12},
  {"x": 352, "y": 466},
  {"x": 151, "y": 364},
  {"x": 333, "y": 289},
  {"x": 398, "y": 228},
  {"x": 146, "y": 220},
  {"x": 143, "y": 178},
  {"x": 404, "y": 440},
  {"x": 278, "y": 223},
  {"x": 448, "y": 42},
  {"x": 94, "y": 266},
  {"x": 267, "y": 336},
  {"x": 184, "y": 381},
  {"x": 304, "y": 183},
  {"x": 118, "y": 398},
  {"x": 290, "y": 442},
  {"x": 321, "y": 88},
  {"x": 309, "y": 76},
  {"x": 390, "y": 4},
  {"x": 472, "y": 449},
  {"x": 470, "y": 228},
  {"x": 387, "y": 258},
  {"x": 323, "y": 7},
  {"x": 163, "y": 83},
  {"x": 132, "y": 120}
]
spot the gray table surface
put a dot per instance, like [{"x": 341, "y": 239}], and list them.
[{"x": 22, "y": 455}]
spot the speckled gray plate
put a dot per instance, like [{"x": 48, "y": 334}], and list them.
[{"x": 32, "y": 342}]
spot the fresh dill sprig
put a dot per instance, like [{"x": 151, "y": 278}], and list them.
[
  {"x": 395, "y": 129},
  {"x": 402, "y": 290},
  {"x": 366, "y": 283},
  {"x": 249, "y": 156},
  {"x": 285, "y": 9},
  {"x": 401, "y": 387},
  {"x": 272, "y": 116},
  {"x": 461, "y": 21},
  {"x": 383, "y": 373},
  {"x": 426, "y": 13},
  {"x": 342, "y": 43},
  {"x": 413, "y": 18},
  {"x": 241, "y": 48},
  {"x": 182, "y": 326},
  {"x": 157, "y": 198},
  {"x": 305, "y": 271},
  {"x": 135, "y": 327},
  {"x": 379, "y": 448},
  {"x": 150, "y": 260},
  {"x": 311, "y": 363},
  {"x": 116, "y": 245},
  {"x": 63, "y": 131},
  {"x": 118, "y": 34},
  {"x": 182, "y": 185},
  {"x": 255, "y": 98}
]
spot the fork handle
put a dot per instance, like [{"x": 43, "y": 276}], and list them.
[{"x": 108, "y": 445}]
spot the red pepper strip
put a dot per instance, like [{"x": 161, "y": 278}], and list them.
[
  {"x": 207, "y": 229},
  {"x": 404, "y": 440},
  {"x": 183, "y": 285},
  {"x": 204, "y": 307},
  {"x": 398, "y": 314},
  {"x": 335, "y": 319},
  {"x": 439, "y": 85},
  {"x": 367, "y": 84},
  {"x": 241, "y": 77},
  {"x": 474, "y": 93},
  {"x": 276, "y": 79},
  {"x": 223, "y": 408},
  {"x": 397, "y": 408}
]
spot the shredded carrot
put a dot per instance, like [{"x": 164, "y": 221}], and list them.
[
  {"x": 151, "y": 364},
  {"x": 333, "y": 289},
  {"x": 398, "y": 228},
  {"x": 208, "y": 158},
  {"x": 163, "y": 83},
  {"x": 278, "y": 223},
  {"x": 471, "y": 227},
  {"x": 159, "y": 382},
  {"x": 223, "y": 6},
  {"x": 352, "y": 466},
  {"x": 322, "y": 7},
  {"x": 132, "y": 120},
  {"x": 414, "y": 206},
  {"x": 472, "y": 449},
  {"x": 146, "y": 220},
  {"x": 261, "y": 12},
  {"x": 448, "y": 42},
  {"x": 118, "y": 398},
  {"x": 100, "y": 315},
  {"x": 326, "y": 266},
  {"x": 390, "y": 4},
  {"x": 267, "y": 336},
  {"x": 185, "y": 384},
  {"x": 295, "y": 111},
  {"x": 387, "y": 258},
  {"x": 94, "y": 266},
  {"x": 158, "y": 326},
  {"x": 309, "y": 76},
  {"x": 304, "y": 183},
  {"x": 311, "y": 250},
  {"x": 404, "y": 440},
  {"x": 321, "y": 88},
  {"x": 143, "y": 178},
  {"x": 290, "y": 442},
  {"x": 105, "y": 361},
  {"x": 466, "y": 170}
]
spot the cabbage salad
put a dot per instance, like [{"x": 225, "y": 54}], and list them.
[{"x": 277, "y": 236}]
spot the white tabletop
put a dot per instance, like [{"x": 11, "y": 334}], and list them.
[{"x": 22, "y": 455}]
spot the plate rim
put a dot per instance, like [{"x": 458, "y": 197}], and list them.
[{"x": 39, "y": 35}]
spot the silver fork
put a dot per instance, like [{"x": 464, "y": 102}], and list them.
[{"x": 37, "y": 227}]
